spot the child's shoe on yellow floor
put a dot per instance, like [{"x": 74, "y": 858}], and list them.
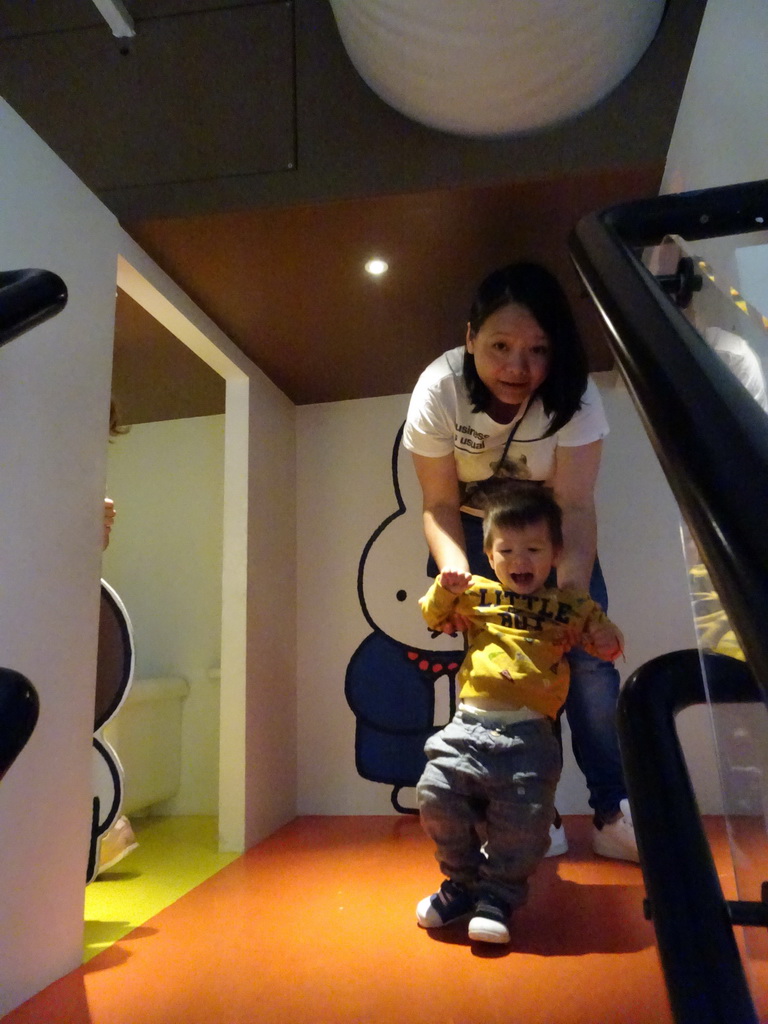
[{"x": 116, "y": 843}]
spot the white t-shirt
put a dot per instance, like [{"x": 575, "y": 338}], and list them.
[
  {"x": 742, "y": 360},
  {"x": 440, "y": 421}
]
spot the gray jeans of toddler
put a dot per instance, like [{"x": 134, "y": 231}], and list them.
[{"x": 486, "y": 799}]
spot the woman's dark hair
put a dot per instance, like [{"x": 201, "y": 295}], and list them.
[
  {"x": 539, "y": 291},
  {"x": 523, "y": 503}
]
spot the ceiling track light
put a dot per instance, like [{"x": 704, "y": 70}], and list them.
[{"x": 117, "y": 17}]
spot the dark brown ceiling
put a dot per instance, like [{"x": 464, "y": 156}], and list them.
[
  {"x": 288, "y": 285},
  {"x": 154, "y": 375},
  {"x": 237, "y": 144}
]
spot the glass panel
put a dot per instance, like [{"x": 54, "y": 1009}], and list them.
[
  {"x": 741, "y": 743},
  {"x": 722, "y": 287},
  {"x": 729, "y": 302}
]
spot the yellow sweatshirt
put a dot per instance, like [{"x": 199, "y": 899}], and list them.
[
  {"x": 516, "y": 642},
  {"x": 713, "y": 628}
]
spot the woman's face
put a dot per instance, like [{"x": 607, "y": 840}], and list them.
[{"x": 512, "y": 354}]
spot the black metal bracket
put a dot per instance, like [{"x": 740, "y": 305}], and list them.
[
  {"x": 751, "y": 912},
  {"x": 741, "y": 912},
  {"x": 681, "y": 285}
]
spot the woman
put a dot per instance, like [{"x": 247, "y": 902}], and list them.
[{"x": 517, "y": 402}]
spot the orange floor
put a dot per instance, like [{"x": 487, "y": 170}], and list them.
[{"x": 316, "y": 925}]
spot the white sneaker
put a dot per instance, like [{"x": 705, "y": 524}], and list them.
[
  {"x": 490, "y": 921},
  {"x": 450, "y": 902},
  {"x": 617, "y": 839},
  {"x": 558, "y": 842}
]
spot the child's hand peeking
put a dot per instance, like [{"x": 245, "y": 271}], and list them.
[
  {"x": 607, "y": 642},
  {"x": 455, "y": 580}
]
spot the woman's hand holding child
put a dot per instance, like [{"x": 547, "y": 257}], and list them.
[{"x": 608, "y": 642}]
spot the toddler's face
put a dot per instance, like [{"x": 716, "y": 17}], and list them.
[{"x": 522, "y": 558}]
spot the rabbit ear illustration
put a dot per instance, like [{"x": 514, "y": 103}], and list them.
[
  {"x": 115, "y": 658},
  {"x": 392, "y": 574},
  {"x": 107, "y": 774},
  {"x": 114, "y": 675}
]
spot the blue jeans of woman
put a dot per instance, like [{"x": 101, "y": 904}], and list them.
[
  {"x": 486, "y": 799},
  {"x": 592, "y": 697}
]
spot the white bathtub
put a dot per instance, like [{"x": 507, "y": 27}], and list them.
[{"x": 146, "y": 735}]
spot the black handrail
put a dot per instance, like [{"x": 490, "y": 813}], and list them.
[
  {"x": 27, "y": 298},
  {"x": 698, "y": 951},
  {"x": 711, "y": 439},
  {"x": 710, "y": 436}
]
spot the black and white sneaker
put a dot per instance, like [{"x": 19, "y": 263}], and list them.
[
  {"x": 490, "y": 920},
  {"x": 451, "y": 901},
  {"x": 558, "y": 841}
]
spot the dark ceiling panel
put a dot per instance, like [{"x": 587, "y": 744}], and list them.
[
  {"x": 164, "y": 8},
  {"x": 22, "y": 17},
  {"x": 31, "y": 17},
  {"x": 154, "y": 375},
  {"x": 350, "y": 143},
  {"x": 164, "y": 112}
]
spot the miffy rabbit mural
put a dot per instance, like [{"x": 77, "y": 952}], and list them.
[
  {"x": 400, "y": 682},
  {"x": 114, "y": 675}
]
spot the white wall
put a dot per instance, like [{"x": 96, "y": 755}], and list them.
[
  {"x": 54, "y": 405},
  {"x": 720, "y": 138},
  {"x": 54, "y": 400},
  {"x": 345, "y": 492},
  {"x": 165, "y": 561},
  {"x": 270, "y": 709},
  {"x": 720, "y": 134}
]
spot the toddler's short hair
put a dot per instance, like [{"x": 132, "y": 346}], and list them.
[{"x": 521, "y": 503}]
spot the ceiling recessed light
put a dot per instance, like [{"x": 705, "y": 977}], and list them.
[{"x": 377, "y": 267}]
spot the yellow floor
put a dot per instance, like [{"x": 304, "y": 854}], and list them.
[{"x": 173, "y": 856}]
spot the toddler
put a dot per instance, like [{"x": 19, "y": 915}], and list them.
[{"x": 486, "y": 796}]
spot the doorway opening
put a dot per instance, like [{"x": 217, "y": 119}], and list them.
[{"x": 178, "y": 476}]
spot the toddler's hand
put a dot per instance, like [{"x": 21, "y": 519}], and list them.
[{"x": 455, "y": 580}]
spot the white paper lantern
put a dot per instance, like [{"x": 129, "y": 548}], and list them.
[{"x": 495, "y": 67}]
